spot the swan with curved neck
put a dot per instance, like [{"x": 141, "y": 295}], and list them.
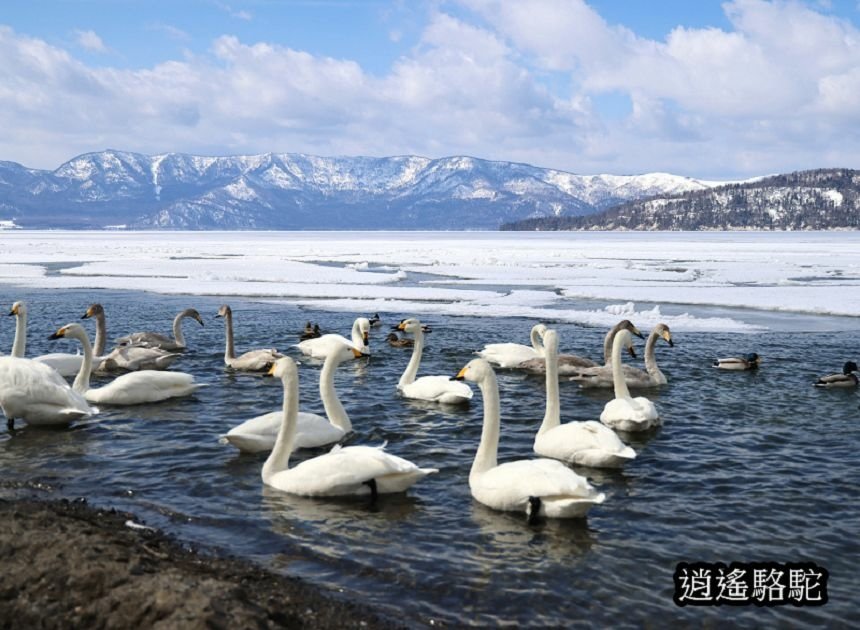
[
  {"x": 320, "y": 347},
  {"x": 64, "y": 363},
  {"x": 537, "y": 487},
  {"x": 344, "y": 471},
  {"x": 625, "y": 413},
  {"x": 585, "y": 443},
  {"x": 312, "y": 430},
  {"x": 128, "y": 358},
  {"x": 134, "y": 388},
  {"x": 156, "y": 340},
  {"x": 511, "y": 355},
  {"x": 439, "y": 389},
  {"x": 251, "y": 361},
  {"x": 651, "y": 376}
]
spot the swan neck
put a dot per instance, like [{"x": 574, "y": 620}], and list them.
[
  {"x": 101, "y": 335},
  {"x": 485, "y": 458},
  {"x": 414, "y": 362},
  {"x": 279, "y": 458},
  {"x": 650, "y": 355},
  {"x": 177, "y": 329},
  {"x": 607, "y": 345},
  {"x": 552, "y": 416},
  {"x": 618, "y": 381},
  {"x": 229, "y": 351},
  {"x": 19, "y": 346},
  {"x": 82, "y": 380},
  {"x": 334, "y": 410},
  {"x": 357, "y": 337},
  {"x": 537, "y": 342}
]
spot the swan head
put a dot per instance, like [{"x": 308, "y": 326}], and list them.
[
  {"x": 283, "y": 368},
  {"x": 475, "y": 371},
  {"x": 18, "y": 309},
  {"x": 364, "y": 329},
  {"x": 539, "y": 329},
  {"x": 550, "y": 340},
  {"x": 193, "y": 314},
  {"x": 626, "y": 324},
  {"x": 849, "y": 367},
  {"x": 71, "y": 331},
  {"x": 93, "y": 311},
  {"x": 411, "y": 325},
  {"x": 224, "y": 311},
  {"x": 665, "y": 333}
]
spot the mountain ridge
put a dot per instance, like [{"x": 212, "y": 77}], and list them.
[{"x": 114, "y": 188}]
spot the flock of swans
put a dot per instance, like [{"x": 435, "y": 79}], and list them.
[{"x": 36, "y": 391}]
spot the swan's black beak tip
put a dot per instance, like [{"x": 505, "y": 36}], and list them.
[
  {"x": 671, "y": 344},
  {"x": 56, "y": 336}
]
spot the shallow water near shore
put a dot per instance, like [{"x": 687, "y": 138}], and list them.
[{"x": 753, "y": 466}]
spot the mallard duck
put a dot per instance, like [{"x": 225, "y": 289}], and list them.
[
  {"x": 399, "y": 342},
  {"x": 375, "y": 321},
  {"x": 848, "y": 378},
  {"x": 311, "y": 332},
  {"x": 747, "y": 362}
]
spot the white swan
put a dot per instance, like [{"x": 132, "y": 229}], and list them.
[
  {"x": 312, "y": 430},
  {"x": 134, "y": 388},
  {"x": 651, "y": 376},
  {"x": 321, "y": 346},
  {"x": 623, "y": 412},
  {"x": 64, "y": 363},
  {"x": 350, "y": 470},
  {"x": 129, "y": 358},
  {"x": 439, "y": 389},
  {"x": 511, "y": 355},
  {"x": 538, "y": 487},
  {"x": 38, "y": 394},
  {"x": 586, "y": 443},
  {"x": 156, "y": 340},
  {"x": 251, "y": 361}
]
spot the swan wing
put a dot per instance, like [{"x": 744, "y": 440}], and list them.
[
  {"x": 37, "y": 393},
  {"x": 64, "y": 363},
  {"x": 145, "y": 386},
  {"x": 260, "y": 433},
  {"x": 256, "y": 360},
  {"x": 134, "y": 358},
  {"x": 147, "y": 340},
  {"x": 507, "y": 355},
  {"x": 509, "y": 486},
  {"x": 321, "y": 347},
  {"x": 438, "y": 389}
]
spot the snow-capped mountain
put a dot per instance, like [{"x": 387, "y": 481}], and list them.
[
  {"x": 296, "y": 191},
  {"x": 807, "y": 200}
]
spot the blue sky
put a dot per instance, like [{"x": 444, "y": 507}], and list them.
[{"x": 707, "y": 89}]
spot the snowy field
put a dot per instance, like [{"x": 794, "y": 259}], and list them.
[{"x": 588, "y": 278}]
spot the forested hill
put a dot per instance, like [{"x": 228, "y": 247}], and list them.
[{"x": 822, "y": 199}]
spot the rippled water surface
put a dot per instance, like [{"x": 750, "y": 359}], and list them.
[{"x": 748, "y": 466}]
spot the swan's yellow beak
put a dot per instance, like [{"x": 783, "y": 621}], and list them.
[
  {"x": 461, "y": 375},
  {"x": 14, "y": 310},
  {"x": 88, "y": 314},
  {"x": 59, "y": 334},
  {"x": 668, "y": 337},
  {"x": 636, "y": 332},
  {"x": 401, "y": 325},
  {"x": 271, "y": 371},
  {"x": 357, "y": 353}
]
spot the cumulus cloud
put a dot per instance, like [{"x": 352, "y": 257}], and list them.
[
  {"x": 777, "y": 91},
  {"x": 89, "y": 40}
]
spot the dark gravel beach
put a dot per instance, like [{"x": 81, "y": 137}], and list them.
[{"x": 69, "y": 565}]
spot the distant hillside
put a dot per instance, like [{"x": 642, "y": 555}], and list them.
[
  {"x": 822, "y": 199},
  {"x": 295, "y": 191}
]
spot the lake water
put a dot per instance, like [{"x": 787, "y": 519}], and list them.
[{"x": 753, "y": 466}]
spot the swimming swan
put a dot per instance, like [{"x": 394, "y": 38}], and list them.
[
  {"x": 156, "y": 340},
  {"x": 64, "y": 363},
  {"x": 625, "y": 413},
  {"x": 848, "y": 378},
  {"x": 439, "y": 389},
  {"x": 312, "y": 430},
  {"x": 251, "y": 361},
  {"x": 651, "y": 376},
  {"x": 511, "y": 355},
  {"x": 586, "y": 443},
  {"x": 349, "y": 470},
  {"x": 38, "y": 394},
  {"x": 321, "y": 346},
  {"x": 537, "y": 487},
  {"x": 134, "y": 388},
  {"x": 129, "y": 358}
]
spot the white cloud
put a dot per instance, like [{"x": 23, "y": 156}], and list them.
[
  {"x": 508, "y": 80},
  {"x": 89, "y": 40}
]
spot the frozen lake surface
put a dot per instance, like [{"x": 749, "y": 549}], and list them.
[{"x": 747, "y": 467}]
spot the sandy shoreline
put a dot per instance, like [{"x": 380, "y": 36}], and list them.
[{"x": 66, "y": 564}]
